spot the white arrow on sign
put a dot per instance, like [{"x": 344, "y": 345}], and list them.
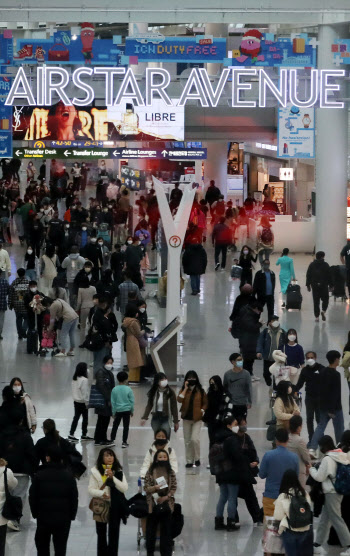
[
  {"x": 66, "y": 153},
  {"x": 115, "y": 153},
  {"x": 164, "y": 153},
  {"x": 18, "y": 153}
]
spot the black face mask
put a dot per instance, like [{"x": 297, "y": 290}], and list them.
[
  {"x": 161, "y": 441},
  {"x": 212, "y": 387},
  {"x": 192, "y": 382},
  {"x": 160, "y": 463}
]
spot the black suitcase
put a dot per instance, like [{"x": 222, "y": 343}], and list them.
[
  {"x": 294, "y": 297},
  {"x": 32, "y": 341},
  {"x": 338, "y": 277}
]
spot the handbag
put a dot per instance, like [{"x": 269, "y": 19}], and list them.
[
  {"x": 272, "y": 541},
  {"x": 161, "y": 509},
  {"x": 93, "y": 341},
  {"x": 100, "y": 508},
  {"x": 60, "y": 55},
  {"x": 177, "y": 521},
  {"x": 96, "y": 399},
  {"x": 271, "y": 431},
  {"x": 13, "y": 506},
  {"x": 138, "y": 506}
]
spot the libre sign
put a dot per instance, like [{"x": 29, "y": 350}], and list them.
[{"x": 198, "y": 86}]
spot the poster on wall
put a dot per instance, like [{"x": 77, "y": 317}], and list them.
[
  {"x": 133, "y": 179},
  {"x": 5, "y": 118},
  {"x": 341, "y": 51},
  {"x": 259, "y": 49},
  {"x": 67, "y": 48},
  {"x": 60, "y": 122},
  {"x": 296, "y": 132},
  {"x": 159, "y": 48},
  {"x": 6, "y": 48}
]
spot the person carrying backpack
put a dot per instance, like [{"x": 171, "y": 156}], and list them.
[
  {"x": 265, "y": 239},
  {"x": 293, "y": 511},
  {"x": 334, "y": 474}
]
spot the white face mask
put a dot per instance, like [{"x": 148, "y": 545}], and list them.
[
  {"x": 129, "y": 242},
  {"x": 235, "y": 429},
  {"x": 310, "y": 362},
  {"x": 16, "y": 389},
  {"x": 292, "y": 338},
  {"x": 109, "y": 367},
  {"x": 163, "y": 383},
  {"x": 275, "y": 324},
  {"x": 245, "y": 252},
  {"x": 84, "y": 229},
  {"x": 100, "y": 243},
  {"x": 33, "y": 290},
  {"x": 142, "y": 309},
  {"x": 29, "y": 251},
  {"x": 93, "y": 240}
]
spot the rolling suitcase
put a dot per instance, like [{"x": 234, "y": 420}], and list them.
[
  {"x": 338, "y": 277},
  {"x": 294, "y": 297},
  {"x": 32, "y": 341}
]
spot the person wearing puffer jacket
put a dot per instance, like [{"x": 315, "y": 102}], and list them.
[
  {"x": 24, "y": 403},
  {"x": 161, "y": 442},
  {"x": 281, "y": 371},
  {"x": 331, "y": 511}
]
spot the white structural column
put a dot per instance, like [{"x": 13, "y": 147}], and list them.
[
  {"x": 331, "y": 163},
  {"x": 215, "y": 166},
  {"x": 216, "y": 30}
]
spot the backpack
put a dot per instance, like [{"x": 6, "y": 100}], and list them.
[
  {"x": 217, "y": 461},
  {"x": 342, "y": 479},
  {"x": 266, "y": 236},
  {"x": 300, "y": 513}
]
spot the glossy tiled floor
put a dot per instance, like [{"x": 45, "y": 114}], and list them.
[{"x": 207, "y": 345}]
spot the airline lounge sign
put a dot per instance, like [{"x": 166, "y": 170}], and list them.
[
  {"x": 54, "y": 82},
  {"x": 119, "y": 153}
]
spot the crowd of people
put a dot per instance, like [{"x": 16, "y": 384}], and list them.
[{"x": 83, "y": 276}]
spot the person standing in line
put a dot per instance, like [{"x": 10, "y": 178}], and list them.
[
  {"x": 293, "y": 350},
  {"x": 285, "y": 406},
  {"x": 272, "y": 338},
  {"x": 162, "y": 404},
  {"x": 248, "y": 334},
  {"x": 18, "y": 289},
  {"x": 246, "y": 260},
  {"x": 193, "y": 402},
  {"x": 297, "y": 445},
  {"x": 53, "y": 501},
  {"x": 264, "y": 287},
  {"x": 80, "y": 391},
  {"x": 107, "y": 480},
  {"x": 5, "y": 263},
  {"x": 123, "y": 401},
  {"x": 221, "y": 238},
  {"x": 345, "y": 260},
  {"x": 104, "y": 383},
  {"x": 12, "y": 483},
  {"x": 4, "y": 291},
  {"x": 264, "y": 240},
  {"x": 319, "y": 280},
  {"x": 194, "y": 263},
  {"x": 331, "y": 511},
  {"x": 238, "y": 384},
  {"x": 330, "y": 400},
  {"x": 272, "y": 468},
  {"x": 287, "y": 273},
  {"x": 311, "y": 376}
]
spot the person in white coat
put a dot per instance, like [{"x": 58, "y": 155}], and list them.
[
  {"x": 80, "y": 392},
  {"x": 161, "y": 442},
  {"x": 331, "y": 511},
  {"x": 12, "y": 483},
  {"x": 106, "y": 473}
]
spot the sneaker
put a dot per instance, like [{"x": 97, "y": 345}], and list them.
[
  {"x": 222, "y": 269},
  {"x": 317, "y": 319},
  {"x": 73, "y": 438},
  {"x": 71, "y": 353},
  {"x": 85, "y": 437},
  {"x": 197, "y": 463},
  {"x": 13, "y": 525},
  {"x": 97, "y": 443},
  {"x": 258, "y": 524},
  {"x": 323, "y": 315},
  {"x": 318, "y": 549},
  {"x": 283, "y": 305},
  {"x": 188, "y": 465},
  {"x": 125, "y": 445},
  {"x": 60, "y": 354},
  {"x": 345, "y": 552},
  {"x": 237, "y": 524},
  {"x": 217, "y": 266},
  {"x": 255, "y": 378},
  {"x": 107, "y": 443}
]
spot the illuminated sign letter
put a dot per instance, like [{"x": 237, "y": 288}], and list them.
[
  {"x": 293, "y": 89},
  {"x": 19, "y": 83},
  {"x": 135, "y": 93},
  {"x": 109, "y": 73},
  {"x": 326, "y": 87},
  {"x": 237, "y": 86},
  {"x": 193, "y": 81},
  {"x": 90, "y": 94},
  {"x": 214, "y": 97},
  {"x": 40, "y": 86},
  {"x": 151, "y": 87},
  {"x": 279, "y": 93},
  {"x": 57, "y": 87}
]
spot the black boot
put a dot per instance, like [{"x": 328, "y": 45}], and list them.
[
  {"x": 219, "y": 524},
  {"x": 231, "y": 525}
]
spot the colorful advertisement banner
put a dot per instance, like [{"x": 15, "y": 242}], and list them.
[
  {"x": 6, "y": 48},
  {"x": 263, "y": 49},
  {"x": 133, "y": 179},
  {"x": 296, "y": 132},
  {"x": 123, "y": 153},
  {"x": 341, "y": 51},
  {"x": 175, "y": 49},
  {"x": 65, "y": 48},
  {"x": 5, "y": 119}
]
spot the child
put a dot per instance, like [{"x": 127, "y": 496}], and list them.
[
  {"x": 80, "y": 391},
  {"x": 236, "y": 270},
  {"x": 122, "y": 399}
]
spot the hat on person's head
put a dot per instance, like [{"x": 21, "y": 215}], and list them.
[{"x": 273, "y": 318}]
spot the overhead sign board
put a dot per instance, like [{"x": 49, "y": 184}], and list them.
[
  {"x": 118, "y": 153},
  {"x": 176, "y": 49}
]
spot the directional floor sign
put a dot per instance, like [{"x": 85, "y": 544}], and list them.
[{"x": 137, "y": 153}]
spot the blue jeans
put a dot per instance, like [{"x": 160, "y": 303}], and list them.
[
  {"x": 195, "y": 282},
  {"x": 160, "y": 421},
  {"x": 229, "y": 494},
  {"x": 338, "y": 424},
  {"x": 297, "y": 544},
  {"x": 68, "y": 330},
  {"x": 31, "y": 274}
]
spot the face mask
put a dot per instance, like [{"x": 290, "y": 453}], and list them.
[
  {"x": 245, "y": 252},
  {"x": 84, "y": 229},
  {"x": 163, "y": 383},
  {"x": 310, "y": 362},
  {"x": 100, "y": 243},
  {"x": 93, "y": 240},
  {"x": 29, "y": 251},
  {"x": 243, "y": 428},
  {"x": 17, "y": 389},
  {"x": 109, "y": 367},
  {"x": 235, "y": 429},
  {"x": 192, "y": 382},
  {"x": 142, "y": 309},
  {"x": 290, "y": 390},
  {"x": 275, "y": 324},
  {"x": 239, "y": 363},
  {"x": 74, "y": 255},
  {"x": 41, "y": 210},
  {"x": 88, "y": 270},
  {"x": 109, "y": 206},
  {"x": 292, "y": 338},
  {"x": 161, "y": 441},
  {"x": 33, "y": 290},
  {"x": 105, "y": 210},
  {"x": 129, "y": 242},
  {"x": 68, "y": 226},
  {"x": 266, "y": 267}
]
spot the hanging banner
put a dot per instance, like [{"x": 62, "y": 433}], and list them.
[
  {"x": 175, "y": 49},
  {"x": 6, "y": 48},
  {"x": 5, "y": 118},
  {"x": 296, "y": 132},
  {"x": 263, "y": 49},
  {"x": 341, "y": 51},
  {"x": 65, "y": 48}
]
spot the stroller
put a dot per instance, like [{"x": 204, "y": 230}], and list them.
[{"x": 49, "y": 338}]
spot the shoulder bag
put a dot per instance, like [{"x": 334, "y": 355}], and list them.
[
  {"x": 96, "y": 400},
  {"x": 13, "y": 506}
]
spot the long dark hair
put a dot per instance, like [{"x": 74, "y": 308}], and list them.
[
  {"x": 166, "y": 464},
  {"x": 345, "y": 441},
  {"x": 193, "y": 374},
  {"x": 16, "y": 379},
  {"x": 290, "y": 484},
  {"x": 218, "y": 383},
  {"x": 99, "y": 463},
  {"x": 49, "y": 426},
  {"x": 152, "y": 391},
  {"x": 282, "y": 392},
  {"x": 80, "y": 370}
]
